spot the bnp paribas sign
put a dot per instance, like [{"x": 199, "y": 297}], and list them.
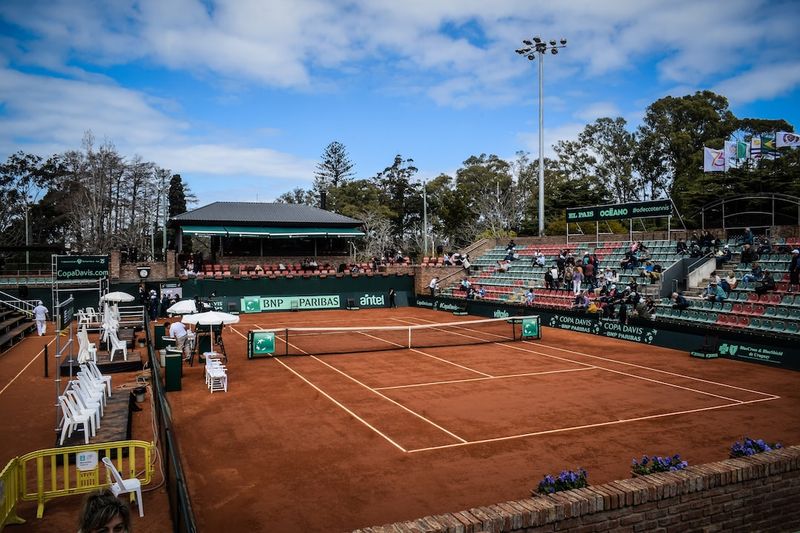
[
  {"x": 655, "y": 208},
  {"x": 257, "y": 304}
]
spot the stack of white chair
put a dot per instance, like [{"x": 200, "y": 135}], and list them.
[
  {"x": 83, "y": 401},
  {"x": 216, "y": 375},
  {"x": 87, "y": 351}
]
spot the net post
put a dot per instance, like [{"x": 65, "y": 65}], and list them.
[
  {"x": 286, "y": 339},
  {"x": 409, "y": 337}
]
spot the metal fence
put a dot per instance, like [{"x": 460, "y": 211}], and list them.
[{"x": 180, "y": 505}]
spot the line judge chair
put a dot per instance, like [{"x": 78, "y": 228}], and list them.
[{"x": 124, "y": 486}]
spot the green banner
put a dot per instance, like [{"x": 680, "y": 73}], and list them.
[
  {"x": 530, "y": 328},
  {"x": 655, "y": 208},
  {"x": 606, "y": 328},
  {"x": 260, "y": 344},
  {"x": 65, "y": 313},
  {"x": 258, "y": 304},
  {"x": 69, "y": 267}
]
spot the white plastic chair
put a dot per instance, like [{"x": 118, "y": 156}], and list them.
[
  {"x": 87, "y": 351},
  {"x": 124, "y": 486},
  {"x": 89, "y": 394},
  {"x": 92, "y": 409},
  {"x": 116, "y": 345},
  {"x": 216, "y": 375},
  {"x": 73, "y": 419},
  {"x": 93, "y": 370}
]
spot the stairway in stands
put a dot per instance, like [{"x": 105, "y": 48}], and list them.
[{"x": 15, "y": 324}]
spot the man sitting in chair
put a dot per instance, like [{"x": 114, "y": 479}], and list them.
[{"x": 178, "y": 331}]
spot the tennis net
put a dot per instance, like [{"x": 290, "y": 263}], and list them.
[{"x": 322, "y": 341}]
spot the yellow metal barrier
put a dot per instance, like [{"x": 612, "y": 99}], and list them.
[
  {"x": 56, "y": 472},
  {"x": 9, "y": 494}
]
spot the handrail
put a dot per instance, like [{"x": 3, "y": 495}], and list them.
[
  {"x": 475, "y": 245},
  {"x": 23, "y": 306},
  {"x": 52, "y": 473}
]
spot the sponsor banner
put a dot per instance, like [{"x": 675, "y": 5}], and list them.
[
  {"x": 260, "y": 344},
  {"x": 69, "y": 267},
  {"x": 258, "y": 304},
  {"x": 753, "y": 352},
  {"x": 656, "y": 208},
  {"x": 446, "y": 306}
]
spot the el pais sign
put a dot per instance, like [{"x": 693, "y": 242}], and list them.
[{"x": 655, "y": 208}]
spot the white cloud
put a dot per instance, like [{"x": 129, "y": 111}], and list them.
[
  {"x": 563, "y": 132},
  {"x": 598, "y": 110},
  {"x": 762, "y": 82}
]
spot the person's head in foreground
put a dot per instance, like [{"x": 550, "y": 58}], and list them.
[{"x": 104, "y": 513}]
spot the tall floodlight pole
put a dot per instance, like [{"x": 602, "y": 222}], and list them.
[
  {"x": 530, "y": 50},
  {"x": 425, "y": 217}
]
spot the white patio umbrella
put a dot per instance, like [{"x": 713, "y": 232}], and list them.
[
  {"x": 117, "y": 296},
  {"x": 183, "y": 307},
  {"x": 210, "y": 318}
]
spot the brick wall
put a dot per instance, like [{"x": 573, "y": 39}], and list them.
[{"x": 757, "y": 493}]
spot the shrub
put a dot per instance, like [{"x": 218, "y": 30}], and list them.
[
  {"x": 651, "y": 465},
  {"x": 752, "y": 447},
  {"x": 566, "y": 480}
]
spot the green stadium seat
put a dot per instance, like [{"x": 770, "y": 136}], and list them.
[
  {"x": 792, "y": 328},
  {"x": 779, "y": 326},
  {"x": 756, "y": 323}
]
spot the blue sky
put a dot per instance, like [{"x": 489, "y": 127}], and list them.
[{"x": 241, "y": 96}]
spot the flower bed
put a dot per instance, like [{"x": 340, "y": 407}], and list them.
[
  {"x": 566, "y": 480},
  {"x": 752, "y": 446},
  {"x": 656, "y": 463}
]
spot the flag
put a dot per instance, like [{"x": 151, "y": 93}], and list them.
[
  {"x": 784, "y": 138},
  {"x": 713, "y": 160},
  {"x": 731, "y": 154},
  {"x": 755, "y": 147},
  {"x": 742, "y": 151},
  {"x": 768, "y": 148}
]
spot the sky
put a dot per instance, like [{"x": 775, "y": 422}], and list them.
[{"x": 241, "y": 97}]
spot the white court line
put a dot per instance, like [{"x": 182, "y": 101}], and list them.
[
  {"x": 35, "y": 357},
  {"x": 334, "y": 400},
  {"x": 398, "y": 404},
  {"x": 585, "y": 426},
  {"x": 769, "y": 396},
  {"x": 656, "y": 370},
  {"x": 507, "y": 376}
]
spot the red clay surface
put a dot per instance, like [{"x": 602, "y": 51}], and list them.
[{"x": 334, "y": 443}]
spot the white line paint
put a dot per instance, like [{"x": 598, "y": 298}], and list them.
[
  {"x": 334, "y": 400},
  {"x": 35, "y": 357},
  {"x": 586, "y": 426},
  {"x": 507, "y": 376}
]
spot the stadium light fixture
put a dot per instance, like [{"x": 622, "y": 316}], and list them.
[{"x": 530, "y": 50}]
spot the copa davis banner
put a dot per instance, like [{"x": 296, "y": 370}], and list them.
[
  {"x": 260, "y": 304},
  {"x": 678, "y": 336}
]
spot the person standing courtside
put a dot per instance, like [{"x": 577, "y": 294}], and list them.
[
  {"x": 178, "y": 332},
  {"x": 40, "y": 315}
]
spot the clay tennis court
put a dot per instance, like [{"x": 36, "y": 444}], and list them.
[{"x": 337, "y": 442}]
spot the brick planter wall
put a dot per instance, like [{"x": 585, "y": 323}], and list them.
[{"x": 756, "y": 493}]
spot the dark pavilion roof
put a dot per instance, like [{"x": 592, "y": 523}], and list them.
[{"x": 263, "y": 214}]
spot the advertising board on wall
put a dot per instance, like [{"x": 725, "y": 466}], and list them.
[
  {"x": 72, "y": 267},
  {"x": 655, "y": 208}
]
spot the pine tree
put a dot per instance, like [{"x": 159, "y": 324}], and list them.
[{"x": 334, "y": 169}]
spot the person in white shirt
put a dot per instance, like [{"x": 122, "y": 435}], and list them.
[
  {"x": 433, "y": 285},
  {"x": 40, "y": 315},
  {"x": 178, "y": 332}
]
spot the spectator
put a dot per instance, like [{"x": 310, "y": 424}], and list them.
[
  {"x": 569, "y": 272},
  {"x": 748, "y": 237},
  {"x": 723, "y": 256},
  {"x": 511, "y": 245},
  {"x": 748, "y": 254},
  {"x": 190, "y": 267},
  {"x": 581, "y": 301},
  {"x": 433, "y": 285},
  {"x": 577, "y": 279},
  {"x": 679, "y": 301},
  {"x": 588, "y": 273},
  {"x": 714, "y": 293},
  {"x": 554, "y": 275},
  {"x": 470, "y": 293},
  {"x": 164, "y": 304},
  {"x": 509, "y": 255},
  {"x": 465, "y": 262},
  {"x": 104, "y": 512},
  {"x": 539, "y": 259},
  {"x": 465, "y": 285},
  {"x": 504, "y": 265},
  {"x": 529, "y": 297},
  {"x": 766, "y": 284},
  {"x": 548, "y": 279},
  {"x": 446, "y": 259},
  {"x": 755, "y": 274},
  {"x": 480, "y": 293},
  {"x": 730, "y": 281},
  {"x": 681, "y": 248},
  {"x": 644, "y": 308},
  {"x": 764, "y": 247},
  {"x": 794, "y": 271}
]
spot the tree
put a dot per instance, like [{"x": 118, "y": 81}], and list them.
[
  {"x": 298, "y": 195},
  {"x": 487, "y": 186},
  {"x": 23, "y": 178},
  {"x": 612, "y": 147},
  {"x": 671, "y": 139},
  {"x": 334, "y": 169},
  {"x": 402, "y": 197},
  {"x": 176, "y": 196}
]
